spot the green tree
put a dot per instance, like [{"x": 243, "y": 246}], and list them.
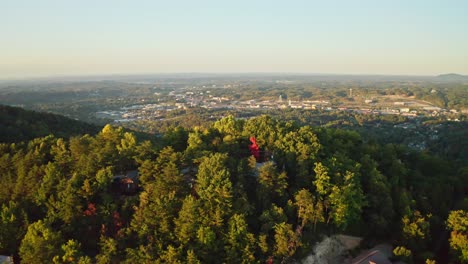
[
  {"x": 170, "y": 255},
  {"x": 164, "y": 174},
  {"x": 272, "y": 185},
  {"x": 308, "y": 211},
  {"x": 61, "y": 153},
  {"x": 240, "y": 244},
  {"x": 271, "y": 217},
  {"x": 299, "y": 148},
  {"x": 192, "y": 258},
  {"x": 403, "y": 253},
  {"x": 378, "y": 213},
  {"x": 176, "y": 137},
  {"x": 196, "y": 144},
  {"x": 416, "y": 226},
  {"x": 72, "y": 254},
  {"x": 127, "y": 151},
  {"x": 457, "y": 222},
  {"x": 270, "y": 179},
  {"x": 322, "y": 180},
  {"x": 145, "y": 151},
  {"x": 13, "y": 225},
  {"x": 153, "y": 219},
  {"x": 188, "y": 221},
  {"x": 286, "y": 241},
  {"x": 108, "y": 251},
  {"x": 264, "y": 129},
  {"x": 47, "y": 190},
  {"x": 347, "y": 201},
  {"x": 209, "y": 244},
  {"x": 40, "y": 244},
  {"x": 214, "y": 187},
  {"x": 69, "y": 203},
  {"x": 229, "y": 126}
]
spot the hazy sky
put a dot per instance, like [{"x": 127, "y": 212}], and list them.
[{"x": 61, "y": 37}]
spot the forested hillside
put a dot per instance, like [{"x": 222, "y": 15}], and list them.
[
  {"x": 17, "y": 124},
  {"x": 240, "y": 191}
]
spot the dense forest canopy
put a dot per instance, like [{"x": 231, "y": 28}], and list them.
[
  {"x": 202, "y": 197},
  {"x": 17, "y": 125}
]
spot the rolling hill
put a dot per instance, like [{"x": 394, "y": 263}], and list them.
[{"x": 17, "y": 124}]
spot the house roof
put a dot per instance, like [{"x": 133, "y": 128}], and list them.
[
  {"x": 133, "y": 174},
  {"x": 377, "y": 255}
]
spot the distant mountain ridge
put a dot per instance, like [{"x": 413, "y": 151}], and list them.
[
  {"x": 452, "y": 77},
  {"x": 18, "y": 124}
]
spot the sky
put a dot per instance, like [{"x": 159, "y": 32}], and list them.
[{"x": 92, "y": 37}]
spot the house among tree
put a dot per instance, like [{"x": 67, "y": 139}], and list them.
[
  {"x": 261, "y": 156},
  {"x": 126, "y": 183}
]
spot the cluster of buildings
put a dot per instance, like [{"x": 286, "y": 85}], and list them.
[
  {"x": 157, "y": 110},
  {"x": 281, "y": 104}
]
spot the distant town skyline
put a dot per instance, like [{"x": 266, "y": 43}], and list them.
[{"x": 70, "y": 38}]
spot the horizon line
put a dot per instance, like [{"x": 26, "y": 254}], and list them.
[{"x": 148, "y": 74}]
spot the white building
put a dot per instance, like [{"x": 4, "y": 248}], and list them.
[{"x": 404, "y": 110}]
